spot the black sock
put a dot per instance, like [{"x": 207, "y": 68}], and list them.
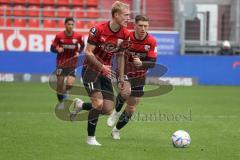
[
  {"x": 61, "y": 97},
  {"x": 123, "y": 120},
  {"x": 119, "y": 103},
  {"x": 92, "y": 121},
  {"x": 87, "y": 106}
]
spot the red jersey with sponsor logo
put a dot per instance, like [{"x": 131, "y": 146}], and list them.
[
  {"x": 145, "y": 49},
  {"x": 107, "y": 42},
  {"x": 72, "y": 45}
]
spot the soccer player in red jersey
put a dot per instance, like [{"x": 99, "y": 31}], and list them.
[
  {"x": 67, "y": 45},
  {"x": 141, "y": 55},
  {"x": 105, "y": 40}
]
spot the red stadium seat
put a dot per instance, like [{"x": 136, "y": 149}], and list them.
[
  {"x": 60, "y": 23},
  {"x": 79, "y": 24},
  {"x": 5, "y": 1},
  {"x": 48, "y": 11},
  {"x": 33, "y": 11},
  {"x": 34, "y": 23},
  {"x": 63, "y": 12},
  {"x": 78, "y": 12},
  {"x": 63, "y": 2},
  {"x": 93, "y": 3},
  {"x": 92, "y": 13},
  {"x": 19, "y": 22},
  {"x": 9, "y": 22},
  {"x": 6, "y": 22},
  {"x": 77, "y": 2},
  {"x": 22, "y": 2},
  {"x": 90, "y": 24},
  {"x": 47, "y": 23},
  {"x": 19, "y": 10},
  {"x": 1, "y": 22},
  {"x": 5, "y": 10},
  {"x": 34, "y": 2},
  {"x": 48, "y": 2}
]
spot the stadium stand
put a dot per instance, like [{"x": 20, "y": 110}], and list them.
[
  {"x": 33, "y": 11},
  {"x": 86, "y": 11},
  {"x": 19, "y": 22}
]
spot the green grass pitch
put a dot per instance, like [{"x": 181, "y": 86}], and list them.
[{"x": 29, "y": 129}]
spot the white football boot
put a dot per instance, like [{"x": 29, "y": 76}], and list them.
[
  {"x": 115, "y": 133},
  {"x": 112, "y": 119},
  {"x": 91, "y": 140},
  {"x": 77, "y": 107}
]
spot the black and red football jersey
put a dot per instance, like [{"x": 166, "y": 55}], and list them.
[
  {"x": 107, "y": 42},
  {"x": 72, "y": 46},
  {"x": 145, "y": 49}
]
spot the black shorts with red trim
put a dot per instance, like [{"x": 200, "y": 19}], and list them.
[
  {"x": 60, "y": 71},
  {"x": 93, "y": 81}
]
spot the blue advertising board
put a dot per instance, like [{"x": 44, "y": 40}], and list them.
[
  {"x": 167, "y": 42},
  {"x": 208, "y": 70}
]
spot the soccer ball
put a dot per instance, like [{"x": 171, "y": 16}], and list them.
[{"x": 181, "y": 139}]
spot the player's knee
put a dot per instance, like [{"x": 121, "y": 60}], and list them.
[
  {"x": 97, "y": 100},
  {"x": 125, "y": 94},
  {"x": 126, "y": 91},
  {"x": 97, "y": 103},
  {"x": 130, "y": 109},
  {"x": 107, "y": 110}
]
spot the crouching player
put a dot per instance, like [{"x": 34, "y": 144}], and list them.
[
  {"x": 141, "y": 55},
  {"x": 67, "y": 45}
]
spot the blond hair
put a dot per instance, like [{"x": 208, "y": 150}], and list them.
[{"x": 118, "y": 6}]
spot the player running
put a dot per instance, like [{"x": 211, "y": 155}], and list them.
[
  {"x": 67, "y": 44},
  {"x": 105, "y": 40},
  {"x": 142, "y": 55}
]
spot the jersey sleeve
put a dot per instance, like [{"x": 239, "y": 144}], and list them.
[
  {"x": 152, "y": 54},
  {"x": 93, "y": 36},
  {"x": 56, "y": 41}
]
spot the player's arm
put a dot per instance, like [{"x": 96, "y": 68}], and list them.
[
  {"x": 92, "y": 60},
  {"x": 120, "y": 66},
  {"x": 55, "y": 47},
  {"x": 82, "y": 44},
  {"x": 150, "y": 60}
]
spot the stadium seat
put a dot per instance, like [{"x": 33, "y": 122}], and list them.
[
  {"x": 5, "y": 1},
  {"x": 19, "y": 22},
  {"x": 48, "y": 2},
  {"x": 48, "y": 11},
  {"x": 93, "y": 3},
  {"x": 34, "y": 2},
  {"x": 22, "y": 2},
  {"x": 34, "y": 23},
  {"x": 79, "y": 24},
  {"x": 63, "y": 12},
  {"x": 60, "y": 23},
  {"x": 19, "y": 10},
  {"x": 78, "y": 12},
  {"x": 33, "y": 11},
  {"x": 47, "y": 23},
  {"x": 1, "y": 22},
  {"x": 8, "y": 22},
  {"x": 90, "y": 24},
  {"x": 5, "y": 10},
  {"x": 63, "y": 2},
  {"x": 77, "y": 3},
  {"x": 92, "y": 13}
]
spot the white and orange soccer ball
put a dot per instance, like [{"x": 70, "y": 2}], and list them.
[{"x": 181, "y": 139}]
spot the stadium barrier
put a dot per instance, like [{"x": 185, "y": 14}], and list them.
[{"x": 181, "y": 70}]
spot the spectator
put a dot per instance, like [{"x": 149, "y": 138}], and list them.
[{"x": 226, "y": 49}]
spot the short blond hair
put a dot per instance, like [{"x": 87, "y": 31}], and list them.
[{"x": 118, "y": 6}]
